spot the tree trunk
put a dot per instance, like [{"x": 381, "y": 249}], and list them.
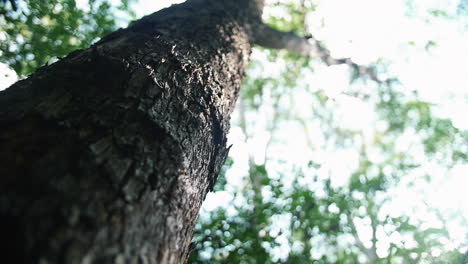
[{"x": 107, "y": 154}]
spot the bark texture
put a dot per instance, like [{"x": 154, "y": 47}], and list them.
[{"x": 106, "y": 155}]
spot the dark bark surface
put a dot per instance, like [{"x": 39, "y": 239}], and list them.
[{"x": 106, "y": 155}]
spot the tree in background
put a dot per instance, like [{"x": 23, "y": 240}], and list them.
[
  {"x": 286, "y": 212},
  {"x": 283, "y": 212}
]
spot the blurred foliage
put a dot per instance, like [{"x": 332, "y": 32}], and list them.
[
  {"x": 39, "y": 31},
  {"x": 311, "y": 221},
  {"x": 291, "y": 214},
  {"x": 438, "y": 136}
]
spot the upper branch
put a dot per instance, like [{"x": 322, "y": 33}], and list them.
[{"x": 306, "y": 46}]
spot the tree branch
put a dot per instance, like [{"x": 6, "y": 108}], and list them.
[
  {"x": 371, "y": 256},
  {"x": 268, "y": 37}
]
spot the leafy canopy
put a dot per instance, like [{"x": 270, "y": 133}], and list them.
[{"x": 38, "y": 32}]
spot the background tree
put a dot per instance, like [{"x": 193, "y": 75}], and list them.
[{"x": 295, "y": 212}]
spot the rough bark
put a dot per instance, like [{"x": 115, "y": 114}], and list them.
[{"x": 107, "y": 154}]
